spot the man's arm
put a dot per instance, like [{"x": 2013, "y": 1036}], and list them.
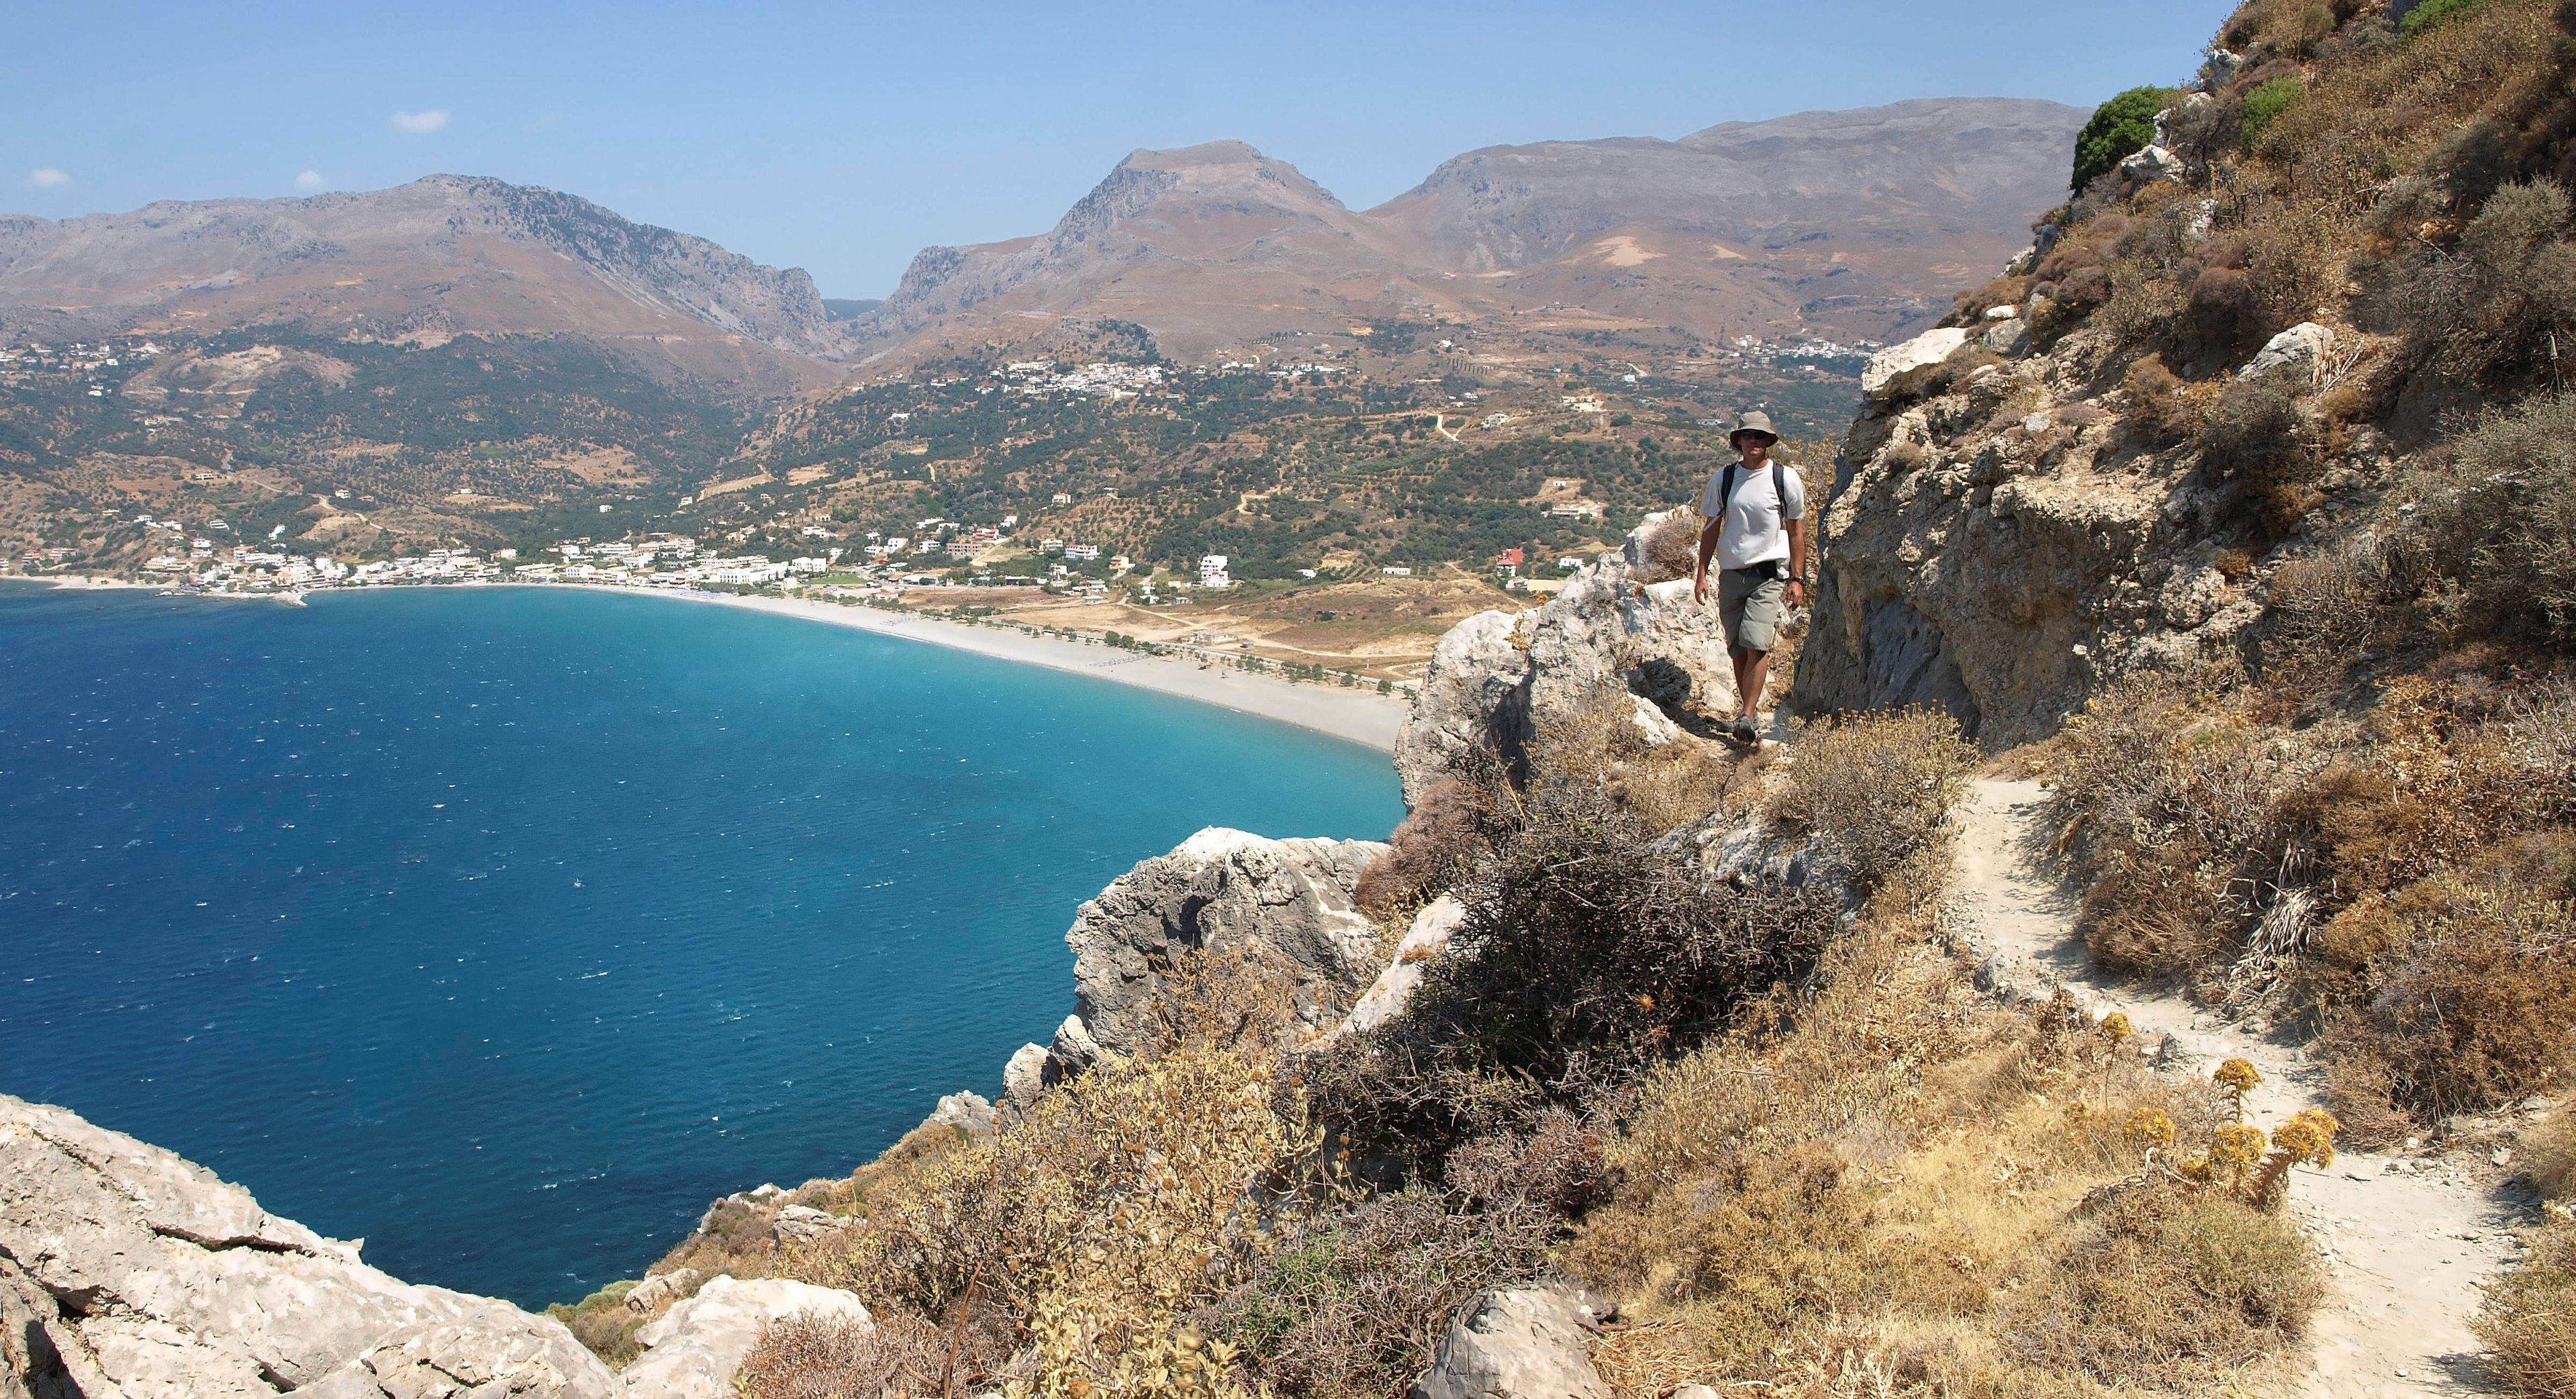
[
  {"x": 1707, "y": 546},
  {"x": 1797, "y": 561}
]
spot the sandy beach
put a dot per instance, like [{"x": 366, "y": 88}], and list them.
[{"x": 1358, "y": 716}]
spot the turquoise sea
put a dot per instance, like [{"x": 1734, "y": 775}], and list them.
[{"x": 505, "y": 928}]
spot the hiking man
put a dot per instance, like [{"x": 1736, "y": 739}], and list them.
[{"x": 1756, "y": 510}]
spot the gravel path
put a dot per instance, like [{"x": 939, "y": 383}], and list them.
[{"x": 2406, "y": 1239}]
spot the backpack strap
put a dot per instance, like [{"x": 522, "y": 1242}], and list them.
[
  {"x": 1726, "y": 489},
  {"x": 1780, "y": 489}
]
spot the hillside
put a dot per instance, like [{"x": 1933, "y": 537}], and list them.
[
  {"x": 1845, "y": 225},
  {"x": 418, "y": 264}
]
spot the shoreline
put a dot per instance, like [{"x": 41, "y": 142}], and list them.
[{"x": 1356, "y": 716}]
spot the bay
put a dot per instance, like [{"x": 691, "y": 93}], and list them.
[{"x": 505, "y": 928}]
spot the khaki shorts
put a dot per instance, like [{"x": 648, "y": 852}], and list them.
[{"x": 1749, "y": 606}]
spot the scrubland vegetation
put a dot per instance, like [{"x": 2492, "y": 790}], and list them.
[
  {"x": 1768, "y": 1114},
  {"x": 1773, "y": 1121}
]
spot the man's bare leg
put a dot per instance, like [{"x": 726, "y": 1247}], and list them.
[{"x": 1752, "y": 673}]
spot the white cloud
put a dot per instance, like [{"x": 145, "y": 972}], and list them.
[
  {"x": 421, "y": 123},
  {"x": 48, "y": 178},
  {"x": 309, "y": 181}
]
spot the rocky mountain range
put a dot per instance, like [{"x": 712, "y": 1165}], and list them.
[
  {"x": 420, "y": 263},
  {"x": 1858, "y": 224}
]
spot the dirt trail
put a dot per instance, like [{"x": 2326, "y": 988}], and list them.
[{"x": 2405, "y": 1240}]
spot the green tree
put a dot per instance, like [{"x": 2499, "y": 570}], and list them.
[
  {"x": 2120, "y": 128},
  {"x": 2265, "y": 104}
]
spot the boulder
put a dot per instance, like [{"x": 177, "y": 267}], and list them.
[
  {"x": 1387, "y": 996},
  {"x": 2009, "y": 335},
  {"x": 2299, "y": 350},
  {"x": 2151, "y": 164},
  {"x": 656, "y": 1292},
  {"x": 1472, "y": 694},
  {"x": 127, "y": 1270},
  {"x": 1931, "y": 347},
  {"x": 694, "y": 1350},
  {"x": 1606, "y": 627},
  {"x": 1287, "y": 901},
  {"x": 967, "y": 1112},
  {"x": 1024, "y": 1077},
  {"x": 803, "y": 1224},
  {"x": 1074, "y": 1049},
  {"x": 1514, "y": 1343}
]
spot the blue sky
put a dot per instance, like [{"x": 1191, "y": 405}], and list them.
[{"x": 843, "y": 138}]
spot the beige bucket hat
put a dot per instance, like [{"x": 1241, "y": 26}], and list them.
[{"x": 1755, "y": 421}]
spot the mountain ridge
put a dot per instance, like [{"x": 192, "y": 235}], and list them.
[{"x": 439, "y": 256}]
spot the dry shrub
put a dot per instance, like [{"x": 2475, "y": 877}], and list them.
[
  {"x": 1672, "y": 549},
  {"x": 807, "y": 1356},
  {"x": 2167, "y": 798},
  {"x": 2161, "y": 406},
  {"x": 1590, "y": 949},
  {"x": 2475, "y": 1006},
  {"x": 2506, "y": 534},
  {"x": 1872, "y": 1175},
  {"x": 1971, "y": 306},
  {"x": 2167, "y": 1285},
  {"x": 1877, "y": 790},
  {"x": 2547, "y": 1149},
  {"x": 2529, "y": 1318},
  {"x": 2254, "y": 435},
  {"x": 602, "y": 1323},
  {"x": 1438, "y": 845},
  {"x": 2324, "y": 611},
  {"x": 1354, "y": 1300},
  {"x": 1112, "y": 1208}
]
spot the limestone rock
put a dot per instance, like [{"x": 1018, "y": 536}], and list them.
[
  {"x": 1605, "y": 627},
  {"x": 2009, "y": 335},
  {"x": 2299, "y": 350},
  {"x": 1473, "y": 691},
  {"x": 694, "y": 1350},
  {"x": 803, "y": 1224},
  {"x": 1074, "y": 1049},
  {"x": 967, "y": 1112},
  {"x": 656, "y": 1292},
  {"x": 1386, "y": 997},
  {"x": 2153, "y": 163},
  {"x": 1024, "y": 1077},
  {"x": 1931, "y": 347},
  {"x": 127, "y": 1270},
  {"x": 1222, "y": 890},
  {"x": 1514, "y": 1343}
]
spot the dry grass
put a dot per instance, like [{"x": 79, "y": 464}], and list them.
[
  {"x": 2529, "y": 1320},
  {"x": 814, "y": 1357},
  {"x": 1900, "y": 1182},
  {"x": 1877, "y": 790}
]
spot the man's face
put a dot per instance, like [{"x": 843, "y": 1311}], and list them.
[{"x": 1753, "y": 444}]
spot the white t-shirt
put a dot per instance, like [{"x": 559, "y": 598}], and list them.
[{"x": 1753, "y": 531}]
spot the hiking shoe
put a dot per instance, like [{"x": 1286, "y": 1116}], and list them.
[{"x": 1742, "y": 730}]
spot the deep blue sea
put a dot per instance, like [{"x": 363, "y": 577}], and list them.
[{"x": 506, "y": 928}]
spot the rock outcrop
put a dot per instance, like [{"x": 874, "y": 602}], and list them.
[
  {"x": 1496, "y": 678},
  {"x": 694, "y": 1350},
  {"x": 1220, "y": 890},
  {"x": 2004, "y": 539},
  {"x": 125, "y": 1270},
  {"x": 1515, "y": 1343}
]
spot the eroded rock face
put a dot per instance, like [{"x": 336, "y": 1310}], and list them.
[
  {"x": 694, "y": 1350},
  {"x": 1498, "y": 677},
  {"x": 1514, "y": 1343},
  {"x": 126, "y": 1270},
  {"x": 2008, "y": 548},
  {"x": 1221, "y": 890}
]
